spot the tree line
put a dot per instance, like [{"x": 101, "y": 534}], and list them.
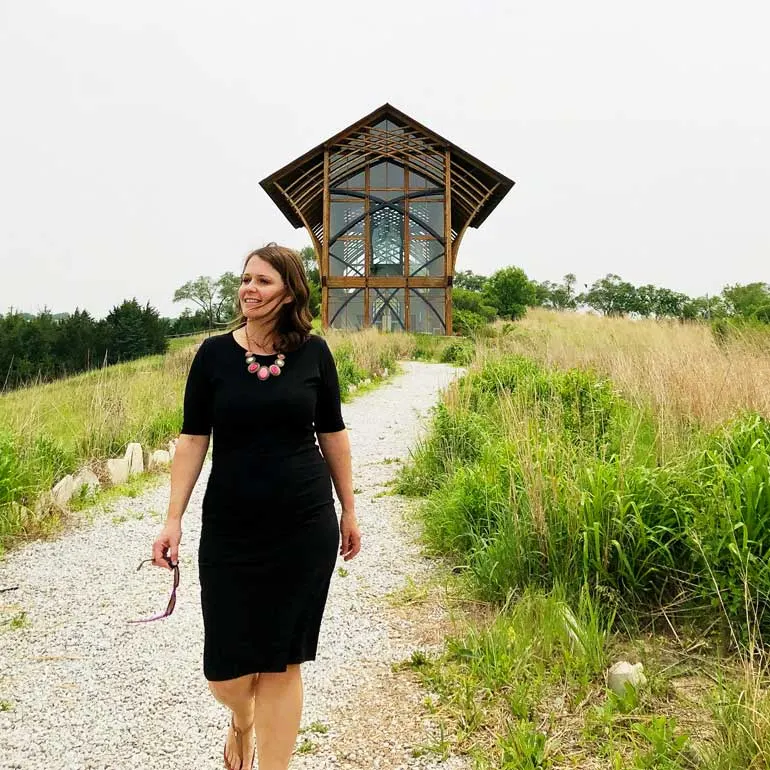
[
  {"x": 46, "y": 347},
  {"x": 509, "y": 292}
]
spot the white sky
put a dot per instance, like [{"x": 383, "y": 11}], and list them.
[{"x": 133, "y": 135}]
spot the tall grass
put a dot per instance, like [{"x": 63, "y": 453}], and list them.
[
  {"x": 686, "y": 375},
  {"x": 622, "y": 464},
  {"x": 538, "y": 477}
]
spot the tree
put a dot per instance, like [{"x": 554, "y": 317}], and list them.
[
  {"x": 612, "y": 296},
  {"x": 76, "y": 344},
  {"x": 154, "y": 330},
  {"x": 126, "y": 325},
  {"x": 558, "y": 296},
  {"x": 472, "y": 302},
  {"x": 510, "y": 292},
  {"x": 469, "y": 281},
  {"x": 745, "y": 300},
  {"x": 310, "y": 264},
  {"x": 203, "y": 292},
  {"x": 670, "y": 304},
  {"x": 227, "y": 305}
]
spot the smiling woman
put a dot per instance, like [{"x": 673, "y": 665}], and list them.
[{"x": 270, "y": 534}]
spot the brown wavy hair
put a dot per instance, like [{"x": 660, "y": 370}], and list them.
[{"x": 294, "y": 320}]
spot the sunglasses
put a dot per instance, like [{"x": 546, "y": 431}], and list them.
[{"x": 172, "y": 599}]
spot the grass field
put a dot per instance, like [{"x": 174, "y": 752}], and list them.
[{"x": 602, "y": 487}]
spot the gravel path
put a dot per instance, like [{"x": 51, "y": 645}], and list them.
[{"x": 81, "y": 688}]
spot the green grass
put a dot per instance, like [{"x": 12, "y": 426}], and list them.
[{"x": 551, "y": 496}]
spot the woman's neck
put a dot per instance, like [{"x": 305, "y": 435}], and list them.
[{"x": 260, "y": 335}]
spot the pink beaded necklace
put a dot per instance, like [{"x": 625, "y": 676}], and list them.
[{"x": 262, "y": 371}]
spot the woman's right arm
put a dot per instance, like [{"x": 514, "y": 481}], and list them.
[{"x": 185, "y": 468}]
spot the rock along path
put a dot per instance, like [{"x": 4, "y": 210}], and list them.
[{"x": 81, "y": 688}]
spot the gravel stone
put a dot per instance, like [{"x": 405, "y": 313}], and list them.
[{"x": 82, "y": 688}]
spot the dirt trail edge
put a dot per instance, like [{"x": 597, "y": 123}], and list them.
[{"x": 80, "y": 687}]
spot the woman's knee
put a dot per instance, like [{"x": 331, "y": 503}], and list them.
[
  {"x": 292, "y": 673},
  {"x": 232, "y": 690}
]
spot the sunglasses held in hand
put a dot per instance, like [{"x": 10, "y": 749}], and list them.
[{"x": 172, "y": 599}]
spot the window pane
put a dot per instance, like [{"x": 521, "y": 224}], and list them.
[
  {"x": 385, "y": 195},
  {"x": 426, "y": 258},
  {"x": 386, "y": 174},
  {"x": 420, "y": 182},
  {"x": 389, "y": 126},
  {"x": 386, "y": 309},
  {"x": 426, "y": 218},
  {"x": 355, "y": 182},
  {"x": 426, "y": 311},
  {"x": 342, "y": 217},
  {"x": 346, "y": 257},
  {"x": 387, "y": 242},
  {"x": 346, "y": 308}
]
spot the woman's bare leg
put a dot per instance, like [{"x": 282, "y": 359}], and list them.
[
  {"x": 238, "y": 696},
  {"x": 277, "y": 714}
]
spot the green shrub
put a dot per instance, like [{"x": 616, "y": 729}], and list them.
[
  {"x": 538, "y": 477},
  {"x": 458, "y": 351},
  {"x": 467, "y": 323}
]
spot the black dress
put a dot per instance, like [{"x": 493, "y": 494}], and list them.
[{"x": 269, "y": 536}]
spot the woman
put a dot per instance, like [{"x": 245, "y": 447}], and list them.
[{"x": 269, "y": 534}]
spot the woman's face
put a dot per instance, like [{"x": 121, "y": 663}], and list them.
[{"x": 262, "y": 290}]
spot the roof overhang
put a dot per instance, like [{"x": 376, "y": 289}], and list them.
[{"x": 297, "y": 188}]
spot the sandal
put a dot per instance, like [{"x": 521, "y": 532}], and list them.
[{"x": 239, "y": 741}]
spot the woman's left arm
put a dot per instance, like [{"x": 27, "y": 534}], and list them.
[{"x": 335, "y": 448}]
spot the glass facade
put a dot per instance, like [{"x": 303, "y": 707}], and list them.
[
  {"x": 346, "y": 308},
  {"x": 347, "y": 257},
  {"x": 387, "y": 310},
  {"x": 426, "y": 311},
  {"x": 387, "y": 221},
  {"x": 426, "y": 257}
]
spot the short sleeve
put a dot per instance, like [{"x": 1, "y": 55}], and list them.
[
  {"x": 198, "y": 396},
  {"x": 328, "y": 413}
]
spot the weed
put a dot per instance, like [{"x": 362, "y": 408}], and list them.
[
  {"x": 19, "y": 620},
  {"x": 306, "y": 747}
]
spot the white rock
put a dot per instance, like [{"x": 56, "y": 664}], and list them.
[
  {"x": 159, "y": 457},
  {"x": 172, "y": 448},
  {"x": 134, "y": 458},
  {"x": 118, "y": 470},
  {"x": 63, "y": 491},
  {"x": 623, "y": 673},
  {"x": 86, "y": 478}
]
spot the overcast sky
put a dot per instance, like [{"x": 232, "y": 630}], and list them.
[{"x": 133, "y": 135}]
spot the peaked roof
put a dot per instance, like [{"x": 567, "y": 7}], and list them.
[{"x": 297, "y": 188}]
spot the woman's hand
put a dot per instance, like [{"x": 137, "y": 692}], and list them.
[
  {"x": 350, "y": 536},
  {"x": 167, "y": 541}
]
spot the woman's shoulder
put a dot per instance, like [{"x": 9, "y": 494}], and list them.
[
  {"x": 313, "y": 343},
  {"x": 317, "y": 340}
]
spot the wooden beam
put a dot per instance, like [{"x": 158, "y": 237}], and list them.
[
  {"x": 461, "y": 233},
  {"x": 325, "y": 244},
  {"x": 448, "y": 261},
  {"x": 313, "y": 238}
]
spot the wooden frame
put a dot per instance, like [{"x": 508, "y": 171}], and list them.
[{"x": 470, "y": 190}]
